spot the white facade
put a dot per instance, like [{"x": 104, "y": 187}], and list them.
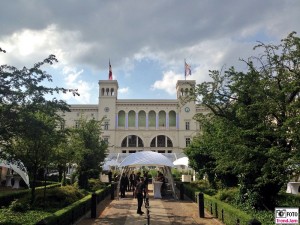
[{"x": 132, "y": 125}]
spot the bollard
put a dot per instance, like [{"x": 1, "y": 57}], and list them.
[
  {"x": 201, "y": 205},
  {"x": 181, "y": 191},
  {"x": 254, "y": 222},
  {"x": 112, "y": 191},
  {"x": 222, "y": 216},
  {"x": 94, "y": 205},
  {"x": 216, "y": 210}
]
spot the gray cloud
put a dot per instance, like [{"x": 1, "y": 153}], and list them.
[{"x": 121, "y": 29}]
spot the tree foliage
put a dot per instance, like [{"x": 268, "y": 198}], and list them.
[
  {"x": 91, "y": 150},
  {"x": 28, "y": 116},
  {"x": 252, "y": 131}
]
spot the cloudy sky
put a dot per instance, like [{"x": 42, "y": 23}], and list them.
[{"x": 146, "y": 41}]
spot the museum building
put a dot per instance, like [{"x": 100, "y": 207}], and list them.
[{"x": 133, "y": 125}]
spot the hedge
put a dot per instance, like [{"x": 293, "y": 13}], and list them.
[
  {"x": 73, "y": 212},
  {"x": 7, "y": 197},
  {"x": 221, "y": 210}
]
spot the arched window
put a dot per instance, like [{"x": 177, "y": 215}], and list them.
[
  {"x": 162, "y": 118},
  {"x": 172, "y": 119},
  {"x": 186, "y": 91},
  {"x": 153, "y": 142},
  {"x": 107, "y": 91},
  {"x": 102, "y": 91},
  {"x": 152, "y": 119},
  {"x": 121, "y": 119},
  {"x": 131, "y": 118},
  {"x": 112, "y": 92},
  {"x": 161, "y": 141},
  {"x": 132, "y": 141},
  {"x": 181, "y": 91},
  {"x": 142, "y": 119}
]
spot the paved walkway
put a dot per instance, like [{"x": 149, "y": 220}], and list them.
[{"x": 162, "y": 212}]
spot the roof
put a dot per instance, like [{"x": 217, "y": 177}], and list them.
[{"x": 146, "y": 158}]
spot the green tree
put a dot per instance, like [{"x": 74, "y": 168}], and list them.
[
  {"x": 257, "y": 116},
  {"x": 92, "y": 151},
  {"x": 28, "y": 118},
  {"x": 35, "y": 147},
  {"x": 65, "y": 153}
]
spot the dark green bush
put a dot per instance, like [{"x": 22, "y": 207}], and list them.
[
  {"x": 57, "y": 197},
  {"x": 95, "y": 184},
  {"x": 19, "y": 206},
  {"x": 228, "y": 195},
  {"x": 288, "y": 200}
]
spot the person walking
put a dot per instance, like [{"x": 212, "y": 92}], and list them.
[{"x": 139, "y": 194}]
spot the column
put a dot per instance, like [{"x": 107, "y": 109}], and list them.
[
  {"x": 147, "y": 120},
  {"x": 177, "y": 121},
  {"x": 167, "y": 120},
  {"x": 156, "y": 121},
  {"x": 126, "y": 120},
  {"x": 136, "y": 120}
]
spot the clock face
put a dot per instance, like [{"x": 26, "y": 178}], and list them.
[
  {"x": 187, "y": 109},
  {"x": 106, "y": 109}
]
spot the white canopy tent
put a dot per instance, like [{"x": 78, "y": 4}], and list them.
[
  {"x": 109, "y": 164},
  {"x": 18, "y": 167},
  {"x": 183, "y": 161},
  {"x": 149, "y": 158}
]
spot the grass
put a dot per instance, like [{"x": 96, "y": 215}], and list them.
[{"x": 31, "y": 217}]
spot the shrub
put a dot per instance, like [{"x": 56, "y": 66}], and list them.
[
  {"x": 228, "y": 195},
  {"x": 203, "y": 186},
  {"x": 95, "y": 184},
  {"x": 57, "y": 197},
  {"x": 19, "y": 206}
]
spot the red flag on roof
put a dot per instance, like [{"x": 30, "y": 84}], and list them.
[{"x": 110, "y": 72}]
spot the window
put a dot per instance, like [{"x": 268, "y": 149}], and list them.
[
  {"x": 123, "y": 151},
  {"x": 132, "y": 151},
  {"x": 161, "y": 141},
  {"x": 132, "y": 141},
  {"x": 187, "y": 142},
  {"x": 105, "y": 140},
  {"x": 187, "y": 125},
  {"x": 77, "y": 124},
  {"x": 106, "y": 125}
]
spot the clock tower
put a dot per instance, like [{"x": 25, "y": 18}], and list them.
[{"x": 108, "y": 95}]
